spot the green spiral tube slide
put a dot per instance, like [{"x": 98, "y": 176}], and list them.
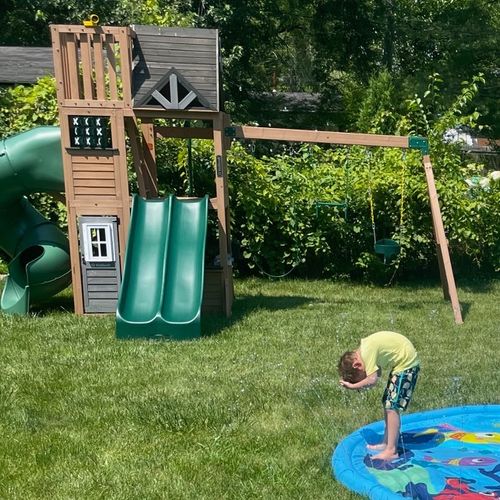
[{"x": 39, "y": 265}]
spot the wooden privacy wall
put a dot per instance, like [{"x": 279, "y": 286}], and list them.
[{"x": 93, "y": 73}]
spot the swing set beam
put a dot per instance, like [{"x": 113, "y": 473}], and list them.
[
  {"x": 375, "y": 140},
  {"x": 317, "y": 136}
]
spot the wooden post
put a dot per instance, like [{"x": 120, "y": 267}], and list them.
[
  {"x": 142, "y": 145},
  {"x": 72, "y": 215},
  {"x": 223, "y": 210},
  {"x": 122, "y": 201},
  {"x": 149, "y": 153},
  {"x": 226, "y": 144},
  {"x": 136, "y": 148},
  {"x": 445, "y": 269}
]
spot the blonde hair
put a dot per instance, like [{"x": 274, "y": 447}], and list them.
[{"x": 346, "y": 369}]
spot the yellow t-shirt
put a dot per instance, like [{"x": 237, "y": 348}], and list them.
[{"x": 387, "y": 350}]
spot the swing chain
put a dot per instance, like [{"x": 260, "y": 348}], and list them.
[
  {"x": 401, "y": 208},
  {"x": 370, "y": 197},
  {"x": 401, "y": 219}
]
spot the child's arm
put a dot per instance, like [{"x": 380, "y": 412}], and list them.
[{"x": 362, "y": 384}]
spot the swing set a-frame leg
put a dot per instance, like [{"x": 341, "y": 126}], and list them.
[{"x": 445, "y": 269}]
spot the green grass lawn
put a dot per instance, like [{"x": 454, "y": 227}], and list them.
[{"x": 251, "y": 410}]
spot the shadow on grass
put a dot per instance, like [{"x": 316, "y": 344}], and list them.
[
  {"x": 465, "y": 308},
  {"x": 479, "y": 284},
  {"x": 244, "y": 304},
  {"x": 211, "y": 323},
  {"x": 60, "y": 303}
]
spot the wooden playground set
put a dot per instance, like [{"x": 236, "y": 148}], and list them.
[{"x": 112, "y": 84}]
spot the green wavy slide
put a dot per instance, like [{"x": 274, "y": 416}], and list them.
[
  {"x": 37, "y": 250},
  {"x": 162, "y": 286}
]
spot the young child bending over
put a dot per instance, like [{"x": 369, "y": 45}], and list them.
[{"x": 362, "y": 368}]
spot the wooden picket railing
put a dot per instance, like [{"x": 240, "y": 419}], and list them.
[{"x": 93, "y": 64}]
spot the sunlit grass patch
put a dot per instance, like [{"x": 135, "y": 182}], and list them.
[{"x": 253, "y": 409}]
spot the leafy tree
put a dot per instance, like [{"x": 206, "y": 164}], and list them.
[
  {"x": 376, "y": 54},
  {"x": 25, "y": 106},
  {"x": 431, "y": 36},
  {"x": 157, "y": 12},
  {"x": 310, "y": 45},
  {"x": 280, "y": 225},
  {"x": 326, "y": 45},
  {"x": 344, "y": 37},
  {"x": 265, "y": 48},
  {"x": 26, "y": 22}
]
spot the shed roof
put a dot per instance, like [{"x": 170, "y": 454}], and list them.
[{"x": 25, "y": 64}]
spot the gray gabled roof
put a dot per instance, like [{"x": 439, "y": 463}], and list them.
[{"x": 192, "y": 53}]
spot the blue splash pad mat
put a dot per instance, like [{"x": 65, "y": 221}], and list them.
[{"x": 443, "y": 454}]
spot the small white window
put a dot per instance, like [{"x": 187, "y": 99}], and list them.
[{"x": 98, "y": 242}]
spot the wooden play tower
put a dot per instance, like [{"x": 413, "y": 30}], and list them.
[{"x": 112, "y": 83}]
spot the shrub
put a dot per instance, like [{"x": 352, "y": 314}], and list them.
[
  {"x": 287, "y": 208},
  {"x": 280, "y": 226},
  {"x": 24, "y": 107}
]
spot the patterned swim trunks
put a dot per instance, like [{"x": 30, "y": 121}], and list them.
[{"x": 399, "y": 390}]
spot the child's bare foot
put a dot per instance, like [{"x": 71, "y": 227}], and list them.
[
  {"x": 386, "y": 456},
  {"x": 380, "y": 446}
]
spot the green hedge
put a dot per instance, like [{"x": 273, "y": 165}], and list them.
[
  {"x": 280, "y": 225},
  {"x": 287, "y": 205}
]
